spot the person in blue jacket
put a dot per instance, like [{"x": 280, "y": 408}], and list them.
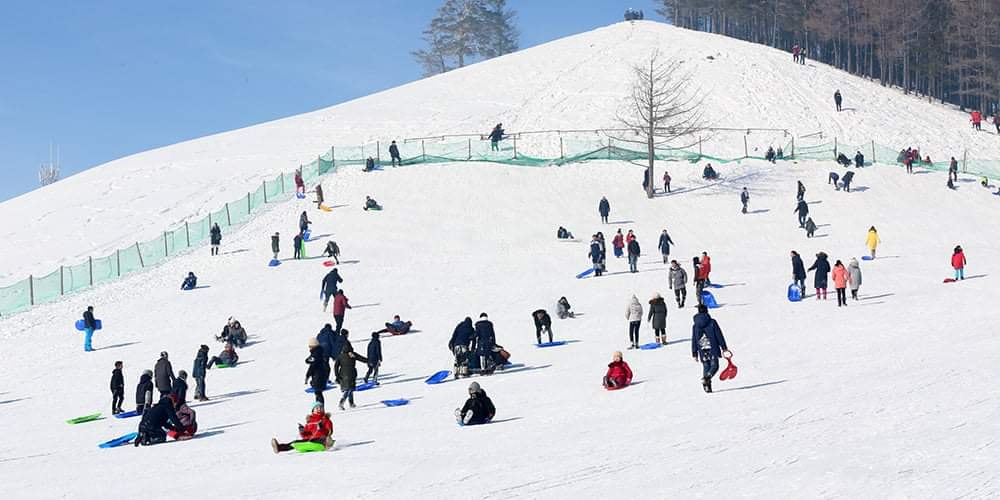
[
  {"x": 595, "y": 255},
  {"x": 331, "y": 343},
  {"x": 707, "y": 345},
  {"x": 664, "y": 246},
  {"x": 374, "y": 358},
  {"x": 190, "y": 282},
  {"x": 89, "y": 325}
]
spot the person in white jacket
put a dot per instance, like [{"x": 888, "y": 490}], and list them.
[{"x": 634, "y": 316}]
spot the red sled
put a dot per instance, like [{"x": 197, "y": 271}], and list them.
[
  {"x": 949, "y": 280},
  {"x": 328, "y": 263},
  {"x": 730, "y": 372}
]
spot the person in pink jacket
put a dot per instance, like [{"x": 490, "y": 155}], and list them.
[
  {"x": 958, "y": 263},
  {"x": 841, "y": 278}
]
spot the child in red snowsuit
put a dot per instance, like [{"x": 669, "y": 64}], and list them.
[
  {"x": 318, "y": 429},
  {"x": 619, "y": 374}
]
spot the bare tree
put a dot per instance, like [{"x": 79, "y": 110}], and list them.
[
  {"x": 49, "y": 172},
  {"x": 662, "y": 109}
]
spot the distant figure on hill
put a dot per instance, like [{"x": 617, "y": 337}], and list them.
[
  {"x": 820, "y": 277},
  {"x": 394, "y": 154},
  {"x": 318, "y": 373},
  {"x": 666, "y": 181},
  {"x": 297, "y": 243},
  {"x": 304, "y": 222},
  {"x": 800, "y": 191},
  {"x": 340, "y": 306},
  {"x": 190, "y": 282},
  {"x": 216, "y": 238},
  {"x": 633, "y": 314},
  {"x": 563, "y": 309},
  {"x": 699, "y": 277},
  {"x": 596, "y": 255},
  {"x": 461, "y": 346},
  {"x": 144, "y": 392},
  {"x": 770, "y": 155},
  {"x": 397, "y": 326},
  {"x": 604, "y": 208},
  {"x": 657, "y": 318},
  {"x": 89, "y": 325},
  {"x": 835, "y": 180},
  {"x": 977, "y": 119},
  {"x": 873, "y": 240},
  {"x": 319, "y": 196},
  {"x": 838, "y": 99},
  {"x": 745, "y": 199},
  {"x": 855, "y": 271},
  {"x": 633, "y": 254},
  {"x": 543, "y": 324},
  {"x": 374, "y": 358},
  {"x": 117, "y": 389},
  {"x": 841, "y": 278},
  {"x": 843, "y": 160},
  {"x": 848, "y": 177},
  {"x": 332, "y": 251},
  {"x": 709, "y": 173},
  {"x": 618, "y": 244},
  {"x": 795, "y": 52},
  {"x": 798, "y": 271},
  {"x": 802, "y": 208},
  {"x": 329, "y": 286},
  {"x": 275, "y": 245},
  {"x": 953, "y": 169},
  {"x": 496, "y": 135},
  {"x": 706, "y": 264},
  {"x": 371, "y": 204},
  {"x": 996, "y": 120},
  {"x": 163, "y": 374},
  {"x": 859, "y": 160},
  {"x": 563, "y": 234},
  {"x": 300, "y": 185},
  {"x": 664, "y": 245},
  {"x": 958, "y": 262},
  {"x": 707, "y": 345},
  {"x": 369, "y": 164},
  {"x": 810, "y": 227}
]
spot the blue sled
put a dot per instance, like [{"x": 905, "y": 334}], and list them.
[
  {"x": 586, "y": 273},
  {"x": 127, "y": 414},
  {"x": 119, "y": 441},
  {"x": 650, "y": 346},
  {"x": 79, "y": 324},
  {"x": 867, "y": 257},
  {"x": 306, "y": 234},
  {"x": 329, "y": 386},
  {"x": 274, "y": 263},
  {"x": 794, "y": 293},
  {"x": 438, "y": 377},
  {"x": 716, "y": 285},
  {"x": 300, "y": 196},
  {"x": 708, "y": 299},
  {"x": 395, "y": 402},
  {"x": 365, "y": 386},
  {"x": 550, "y": 344}
]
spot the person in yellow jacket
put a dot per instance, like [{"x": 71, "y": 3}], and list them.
[{"x": 873, "y": 240}]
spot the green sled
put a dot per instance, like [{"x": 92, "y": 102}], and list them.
[
  {"x": 308, "y": 447},
  {"x": 84, "y": 419}
]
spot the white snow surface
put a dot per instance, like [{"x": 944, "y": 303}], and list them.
[
  {"x": 889, "y": 397},
  {"x": 576, "y": 82}
]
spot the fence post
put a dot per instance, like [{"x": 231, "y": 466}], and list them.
[
  {"x": 263, "y": 183},
  {"x": 470, "y": 149},
  {"x": 378, "y": 151},
  {"x": 229, "y": 220},
  {"x": 249, "y": 207},
  {"x": 187, "y": 234},
  {"x": 873, "y": 153},
  {"x": 423, "y": 152},
  {"x": 609, "y": 147},
  {"x": 793, "y": 146},
  {"x": 282, "y": 190},
  {"x": 62, "y": 287},
  {"x": 319, "y": 166},
  {"x": 515, "y": 147},
  {"x": 746, "y": 149},
  {"x": 118, "y": 260},
  {"x": 965, "y": 161},
  {"x": 166, "y": 252},
  {"x": 561, "y": 155},
  {"x": 699, "y": 147},
  {"x": 139, "y": 251},
  {"x": 333, "y": 157},
  {"x": 31, "y": 289},
  {"x": 210, "y": 220},
  {"x": 835, "y": 146},
  {"x": 90, "y": 261}
]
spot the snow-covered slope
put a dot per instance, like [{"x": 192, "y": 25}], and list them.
[
  {"x": 573, "y": 83},
  {"x": 890, "y": 397}
]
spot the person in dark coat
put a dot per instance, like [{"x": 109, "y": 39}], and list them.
[
  {"x": 318, "y": 373},
  {"x": 800, "y": 192},
  {"x": 346, "y": 373},
  {"x": 745, "y": 199},
  {"x": 563, "y": 309},
  {"x": 198, "y": 371},
  {"x": 596, "y": 256},
  {"x": 161, "y": 415},
  {"x": 803, "y": 210},
  {"x": 274, "y": 245},
  {"x": 859, "y": 160},
  {"x": 190, "y": 282},
  {"x": 657, "y": 318},
  {"x": 394, "y": 154},
  {"x": 462, "y": 345},
  {"x": 297, "y": 246},
  {"x": 180, "y": 388},
  {"x": 496, "y": 135},
  {"x": 848, "y": 177},
  {"x": 820, "y": 278},
  {"x": 664, "y": 246},
  {"x": 329, "y": 286},
  {"x": 810, "y": 227},
  {"x": 163, "y": 374},
  {"x": 330, "y": 341},
  {"x": 633, "y": 255},
  {"x": 798, "y": 272},
  {"x": 838, "y": 99},
  {"x": 486, "y": 340},
  {"x": 542, "y": 323},
  {"x": 604, "y": 208},
  {"x": 216, "y": 238},
  {"x": 478, "y": 409},
  {"x": 89, "y": 325},
  {"x": 117, "y": 389},
  {"x": 677, "y": 279},
  {"x": 304, "y": 222},
  {"x": 144, "y": 392},
  {"x": 319, "y": 196},
  {"x": 374, "y": 358},
  {"x": 332, "y": 251},
  {"x": 707, "y": 345}
]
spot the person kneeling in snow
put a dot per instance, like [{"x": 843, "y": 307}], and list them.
[
  {"x": 543, "y": 323},
  {"x": 478, "y": 408},
  {"x": 189, "y": 424},
  {"x": 396, "y": 326},
  {"x": 227, "y": 357},
  {"x": 371, "y": 204},
  {"x": 153, "y": 421},
  {"x": 619, "y": 374},
  {"x": 190, "y": 282},
  {"x": 563, "y": 309},
  {"x": 563, "y": 234},
  {"x": 318, "y": 429}
]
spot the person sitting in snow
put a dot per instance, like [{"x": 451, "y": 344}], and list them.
[
  {"x": 543, "y": 323},
  {"x": 563, "y": 309},
  {"x": 397, "y": 326},
  {"x": 619, "y": 374},
  {"x": 843, "y": 160},
  {"x": 709, "y": 173},
  {"x": 563, "y": 234},
  {"x": 233, "y": 333},
  {"x": 155, "y": 419},
  {"x": 227, "y": 357},
  {"x": 189, "y": 423},
  {"x": 318, "y": 429},
  {"x": 478, "y": 409},
  {"x": 190, "y": 282},
  {"x": 369, "y": 164},
  {"x": 780, "y": 154},
  {"x": 371, "y": 204}
]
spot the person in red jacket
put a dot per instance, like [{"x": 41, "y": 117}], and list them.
[
  {"x": 618, "y": 243},
  {"x": 706, "y": 264},
  {"x": 340, "y": 306},
  {"x": 318, "y": 429},
  {"x": 619, "y": 374},
  {"x": 958, "y": 263},
  {"x": 977, "y": 120},
  {"x": 300, "y": 185}
]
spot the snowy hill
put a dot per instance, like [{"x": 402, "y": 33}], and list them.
[
  {"x": 889, "y": 397},
  {"x": 574, "y": 83}
]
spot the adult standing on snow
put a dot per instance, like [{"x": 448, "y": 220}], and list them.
[
  {"x": 163, "y": 374},
  {"x": 329, "y": 286},
  {"x": 838, "y": 99},
  {"x": 198, "y": 371},
  {"x": 346, "y": 373},
  {"x": 958, "y": 262},
  {"x": 496, "y": 135},
  {"x": 340, "y": 306},
  {"x": 595, "y": 255},
  {"x": 664, "y": 246},
  {"x": 953, "y": 170},
  {"x": 678, "y": 282},
  {"x": 394, "y": 154},
  {"x": 706, "y": 267},
  {"x": 800, "y": 191},
  {"x": 300, "y": 186},
  {"x": 859, "y": 159},
  {"x": 977, "y": 119},
  {"x": 274, "y": 245},
  {"x": 297, "y": 244},
  {"x": 216, "y": 237},
  {"x": 618, "y": 243},
  {"x": 873, "y": 240},
  {"x": 319, "y": 196},
  {"x": 332, "y": 251},
  {"x": 820, "y": 278},
  {"x": 319, "y": 369},
  {"x": 461, "y": 346},
  {"x": 633, "y": 254},
  {"x": 486, "y": 340},
  {"x": 803, "y": 210},
  {"x": 841, "y": 278},
  {"x": 374, "y": 358},
  {"x": 744, "y": 199},
  {"x": 855, "y": 271},
  {"x": 707, "y": 345},
  {"x": 331, "y": 342},
  {"x": 89, "y": 325},
  {"x": 666, "y": 181},
  {"x": 798, "y": 272},
  {"x": 604, "y": 208},
  {"x": 117, "y": 389},
  {"x": 144, "y": 392},
  {"x": 699, "y": 277},
  {"x": 633, "y": 314},
  {"x": 658, "y": 318}
]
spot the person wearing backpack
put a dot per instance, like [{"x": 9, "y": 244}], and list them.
[{"x": 707, "y": 345}]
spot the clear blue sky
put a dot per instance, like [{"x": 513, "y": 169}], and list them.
[{"x": 104, "y": 79}]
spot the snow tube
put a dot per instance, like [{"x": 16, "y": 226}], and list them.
[
  {"x": 84, "y": 419},
  {"x": 708, "y": 299},
  {"x": 118, "y": 441},
  {"x": 585, "y": 273},
  {"x": 395, "y": 402},
  {"x": 794, "y": 293},
  {"x": 949, "y": 280},
  {"x": 550, "y": 344},
  {"x": 438, "y": 377},
  {"x": 127, "y": 414},
  {"x": 650, "y": 346},
  {"x": 867, "y": 257},
  {"x": 329, "y": 386},
  {"x": 308, "y": 447},
  {"x": 79, "y": 324},
  {"x": 274, "y": 263},
  {"x": 365, "y": 386}
]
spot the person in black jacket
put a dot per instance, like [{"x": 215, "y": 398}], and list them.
[
  {"x": 461, "y": 345},
  {"x": 803, "y": 210},
  {"x": 859, "y": 160},
  {"x": 707, "y": 345},
  {"x": 374, "y": 358},
  {"x": 180, "y": 388},
  {"x": 329, "y": 286},
  {"x": 800, "y": 192},
  {"x": 163, "y": 374},
  {"x": 394, "y": 153},
  {"x": 144, "y": 392},
  {"x": 297, "y": 246},
  {"x": 798, "y": 272},
  {"x": 160, "y": 416},
  {"x": 478, "y": 409},
  {"x": 822, "y": 268},
  {"x": 332, "y": 251},
  {"x": 542, "y": 323},
  {"x": 330, "y": 341},
  {"x": 216, "y": 237},
  {"x": 848, "y": 177},
  {"x": 745, "y": 199},
  {"x": 838, "y": 99},
  {"x": 89, "y": 325},
  {"x": 275, "y": 240},
  {"x": 664, "y": 246},
  {"x": 345, "y": 371},
  {"x": 190, "y": 282},
  {"x": 199, "y": 371},
  {"x": 604, "y": 208},
  {"x": 117, "y": 389},
  {"x": 633, "y": 255},
  {"x": 318, "y": 373},
  {"x": 496, "y": 135},
  {"x": 486, "y": 340}
]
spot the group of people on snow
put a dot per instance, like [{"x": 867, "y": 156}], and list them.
[{"x": 475, "y": 348}]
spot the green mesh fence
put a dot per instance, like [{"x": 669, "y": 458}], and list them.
[
  {"x": 239, "y": 211},
  {"x": 14, "y": 298},
  {"x": 257, "y": 199},
  {"x": 47, "y": 288},
  {"x": 152, "y": 252},
  {"x": 106, "y": 268},
  {"x": 198, "y": 231},
  {"x": 76, "y": 277},
  {"x": 129, "y": 260}
]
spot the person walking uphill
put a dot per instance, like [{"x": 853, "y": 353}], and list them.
[
  {"x": 163, "y": 374},
  {"x": 329, "y": 286},
  {"x": 604, "y": 208},
  {"x": 319, "y": 369},
  {"x": 216, "y": 238},
  {"x": 346, "y": 373},
  {"x": 633, "y": 314},
  {"x": 664, "y": 246},
  {"x": 873, "y": 240},
  {"x": 803, "y": 210},
  {"x": 658, "y": 318},
  {"x": 117, "y": 389},
  {"x": 618, "y": 243},
  {"x": 596, "y": 256},
  {"x": 340, "y": 306},
  {"x": 89, "y": 325},
  {"x": 198, "y": 371},
  {"x": 678, "y": 279},
  {"x": 822, "y": 268},
  {"x": 838, "y": 99},
  {"x": 745, "y": 199},
  {"x": 855, "y": 277},
  {"x": 958, "y": 262},
  {"x": 633, "y": 255},
  {"x": 841, "y": 278},
  {"x": 394, "y": 154},
  {"x": 707, "y": 345}
]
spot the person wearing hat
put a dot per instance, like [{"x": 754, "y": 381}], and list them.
[
  {"x": 318, "y": 373},
  {"x": 275, "y": 240},
  {"x": 394, "y": 154},
  {"x": 318, "y": 429},
  {"x": 154, "y": 420},
  {"x": 486, "y": 340},
  {"x": 117, "y": 389},
  {"x": 199, "y": 371},
  {"x": 163, "y": 375},
  {"x": 345, "y": 371},
  {"x": 374, "y": 358},
  {"x": 180, "y": 388},
  {"x": 478, "y": 408},
  {"x": 619, "y": 374},
  {"x": 707, "y": 345},
  {"x": 144, "y": 392}
]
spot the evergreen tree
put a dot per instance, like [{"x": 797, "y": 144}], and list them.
[
  {"x": 461, "y": 30},
  {"x": 498, "y": 34}
]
